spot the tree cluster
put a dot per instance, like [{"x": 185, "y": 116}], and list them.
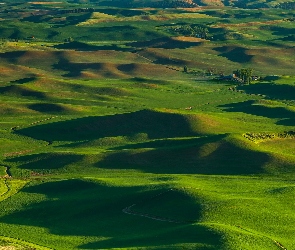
[
  {"x": 191, "y": 30},
  {"x": 244, "y": 74},
  {"x": 77, "y": 10},
  {"x": 175, "y": 4}
]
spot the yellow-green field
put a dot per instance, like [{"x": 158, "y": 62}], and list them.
[{"x": 121, "y": 129}]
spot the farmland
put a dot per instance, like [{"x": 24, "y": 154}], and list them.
[{"x": 120, "y": 129}]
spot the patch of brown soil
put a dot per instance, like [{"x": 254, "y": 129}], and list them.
[
  {"x": 188, "y": 39},
  {"x": 192, "y": 9}
]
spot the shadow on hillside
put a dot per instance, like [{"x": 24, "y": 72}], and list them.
[
  {"x": 118, "y": 28},
  {"x": 282, "y": 31},
  {"x": 272, "y": 90},
  {"x": 290, "y": 38},
  {"x": 47, "y": 107},
  {"x": 67, "y": 20},
  {"x": 76, "y": 46},
  {"x": 12, "y": 56},
  {"x": 75, "y": 69},
  {"x": 81, "y": 208},
  {"x": 45, "y": 160},
  {"x": 17, "y": 90},
  {"x": 72, "y": 20},
  {"x": 168, "y": 143},
  {"x": 164, "y": 43},
  {"x": 249, "y": 107},
  {"x": 154, "y": 124},
  {"x": 287, "y": 122},
  {"x": 234, "y": 54},
  {"x": 210, "y": 155},
  {"x": 106, "y": 69},
  {"x": 24, "y": 80},
  {"x": 80, "y": 46},
  {"x": 36, "y": 18}
]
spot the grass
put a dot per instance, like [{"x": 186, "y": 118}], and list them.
[{"x": 111, "y": 145}]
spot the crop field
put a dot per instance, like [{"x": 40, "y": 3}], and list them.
[{"x": 124, "y": 128}]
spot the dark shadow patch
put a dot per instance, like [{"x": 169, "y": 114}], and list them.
[
  {"x": 77, "y": 46},
  {"x": 165, "y": 43},
  {"x": 168, "y": 143},
  {"x": 290, "y": 38},
  {"x": 127, "y": 67},
  {"x": 76, "y": 69},
  {"x": 24, "y": 80},
  {"x": 77, "y": 18},
  {"x": 17, "y": 90},
  {"x": 161, "y": 206},
  {"x": 148, "y": 80},
  {"x": 222, "y": 158},
  {"x": 271, "y": 78},
  {"x": 154, "y": 124},
  {"x": 282, "y": 31},
  {"x": 235, "y": 54},
  {"x": 80, "y": 208},
  {"x": 271, "y": 90},
  {"x": 249, "y": 107},
  {"x": 287, "y": 122},
  {"x": 45, "y": 161},
  {"x": 115, "y": 48},
  {"x": 12, "y": 57},
  {"x": 47, "y": 107}
]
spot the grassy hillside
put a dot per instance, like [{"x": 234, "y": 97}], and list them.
[{"x": 120, "y": 128}]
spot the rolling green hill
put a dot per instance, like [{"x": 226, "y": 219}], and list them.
[{"x": 122, "y": 128}]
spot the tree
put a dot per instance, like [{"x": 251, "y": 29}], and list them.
[{"x": 245, "y": 74}]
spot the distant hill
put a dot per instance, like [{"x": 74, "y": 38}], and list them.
[
  {"x": 184, "y": 3},
  {"x": 167, "y": 3}
]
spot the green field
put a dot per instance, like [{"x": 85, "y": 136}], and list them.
[{"x": 118, "y": 129}]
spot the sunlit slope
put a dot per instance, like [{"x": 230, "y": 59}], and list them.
[
  {"x": 194, "y": 178},
  {"x": 160, "y": 142},
  {"x": 84, "y": 64},
  {"x": 200, "y": 212},
  {"x": 106, "y": 141},
  {"x": 96, "y": 226}
]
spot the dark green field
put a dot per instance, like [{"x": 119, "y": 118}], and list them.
[{"x": 121, "y": 127}]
